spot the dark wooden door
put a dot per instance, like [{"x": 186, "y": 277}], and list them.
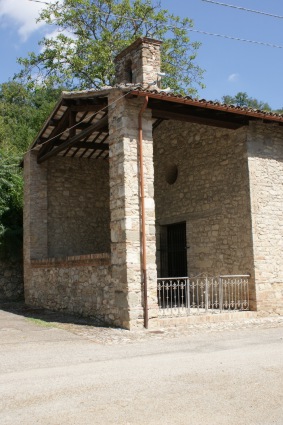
[{"x": 174, "y": 250}]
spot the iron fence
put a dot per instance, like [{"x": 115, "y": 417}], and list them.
[{"x": 183, "y": 296}]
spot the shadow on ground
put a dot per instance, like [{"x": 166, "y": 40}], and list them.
[{"x": 20, "y": 308}]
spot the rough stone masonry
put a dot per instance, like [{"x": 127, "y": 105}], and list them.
[{"x": 82, "y": 220}]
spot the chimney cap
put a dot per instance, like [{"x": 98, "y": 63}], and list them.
[{"x": 135, "y": 44}]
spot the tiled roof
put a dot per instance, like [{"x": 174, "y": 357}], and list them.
[
  {"x": 170, "y": 96},
  {"x": 89, "y": 109},
  {"x": 178, "y": 98}
]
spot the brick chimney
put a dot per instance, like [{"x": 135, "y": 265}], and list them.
[{"x": 139, "y": 63}]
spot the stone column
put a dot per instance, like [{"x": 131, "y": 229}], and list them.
[
  {"x": 265, "y": 159},
  {"x": 125, "y": 209},
  {"x": 35, "y": 217}
]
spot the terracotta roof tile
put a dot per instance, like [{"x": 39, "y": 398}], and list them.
[{"x": 207, "y": 103}]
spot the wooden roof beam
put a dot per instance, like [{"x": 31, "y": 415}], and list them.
[
  {"x": 94, "y": 141},
  {"x": 157, "y": 123},
  {"x": 60, "y": 126},
  {"x": 168, "y": 115},
  {"x": 88, "y": 107},
  {"x": 91, "y": 145},
  {"x": 99, "y": 145},
  {"x": 57, "y": 131},
  {"x": 71, "y": 141}
]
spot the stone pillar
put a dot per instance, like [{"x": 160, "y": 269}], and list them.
[
  {"x": 265, "y": 160},
  {"x": 35, "y": 215},
  {"x": 125, "y": 209}
]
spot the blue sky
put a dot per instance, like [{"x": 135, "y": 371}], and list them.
[{"x": 231, "y": 66}]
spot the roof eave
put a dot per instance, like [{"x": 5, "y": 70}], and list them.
[
  {"x": 69, "y": 96},
  {"x": 276, "y": 118}
]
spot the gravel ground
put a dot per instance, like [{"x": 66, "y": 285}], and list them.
[
  {"x": 93, "y": 330},
  {"x": 57, "y": 369}
]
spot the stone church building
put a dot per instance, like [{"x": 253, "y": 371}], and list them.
[{"x": 139, "y": 202}]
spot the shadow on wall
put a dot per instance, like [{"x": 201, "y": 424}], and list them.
[{"x": 11, "y": 280}]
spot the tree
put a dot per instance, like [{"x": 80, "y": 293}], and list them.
[
  {"x": 11, "y": 186},
  {"x": 90, "y": 33},
  {"x": 22, "y": 113},
  {"x": 242, "y": 99}
]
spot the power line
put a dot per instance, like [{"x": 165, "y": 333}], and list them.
[
  {"x": 85, "y": 119},
  {"x": 243, "y": 8},
  {"x": 38, "y": 1},
  {"x": 238, "y": 39},
  {"x": 206, "y": 1},
  {"x": 172, "y": 27}
]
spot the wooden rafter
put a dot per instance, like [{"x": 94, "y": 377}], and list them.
[
  {"x": 56, "y": 132},
  {"x": 72, "y": 123},
  {"x": 94, "y": 141},
  {"x": 71, "y": 141},
  {"x": 100, "y": 146},
  {"x": 67, "y": 150},
  {"x": 157, "y": 123},
  {"x": 168, "y": 115},
  {"x": 90, "y": 145},
  {"x": 59, "y": 126},
  {"x": 88, "y": 107},
  {"x": 62, "y": 124}
]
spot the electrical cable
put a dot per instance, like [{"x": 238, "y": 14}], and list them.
[
  {"x": 38, "y": 1},
  {"x": 243, "y": 8},
  {"x": 78, "y": 123},
  {"x": 238, "y": 39},
  {"x": 172, "y": 27}
]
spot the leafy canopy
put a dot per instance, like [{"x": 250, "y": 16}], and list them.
[
  {"x": 242, "y": 99},
  {"x": 90, "y": 33},
  {"x": 22, "y": 113},
  {"x": 11, "y": 186}
]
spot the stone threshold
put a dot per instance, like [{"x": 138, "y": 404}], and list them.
[
  {"x": 205, "y": 318},
  {"x": 102, "y": 259}
]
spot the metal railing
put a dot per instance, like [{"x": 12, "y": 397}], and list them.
[{"x": 184, "y": 296}]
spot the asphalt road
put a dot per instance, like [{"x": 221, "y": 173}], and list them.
[{"x": 51, "y": 376}]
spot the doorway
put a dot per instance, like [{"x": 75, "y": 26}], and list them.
[{"x": 173, "y": 250}]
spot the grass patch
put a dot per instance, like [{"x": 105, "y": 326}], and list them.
[{"x": 40, "y": 322}]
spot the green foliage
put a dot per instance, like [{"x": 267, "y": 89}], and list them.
[
  {"x": 242, "y": 99},
  {"x": 11, "y": 186},
  {"x": 90, "y": 33},
  {"x": 22, "y": 113}
]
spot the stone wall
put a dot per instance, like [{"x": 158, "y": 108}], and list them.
[
  {"x": 211, "y": 194},
  {"x": 35, "y": 209},
  {"x": 228, "y": 190},
  {"x": 78, "y": 284},
  {"x": 265, "y": 158},
  {"x": 66, "y": 212},
  {"x": 78, "y": 206},
  {"x": 11, "y": 280},
  {"x": 139, "y": 63}
]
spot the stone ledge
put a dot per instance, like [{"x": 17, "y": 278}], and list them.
[
  {"x": 205, "y": 318},
  {"x": 102, "y": 259}
]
